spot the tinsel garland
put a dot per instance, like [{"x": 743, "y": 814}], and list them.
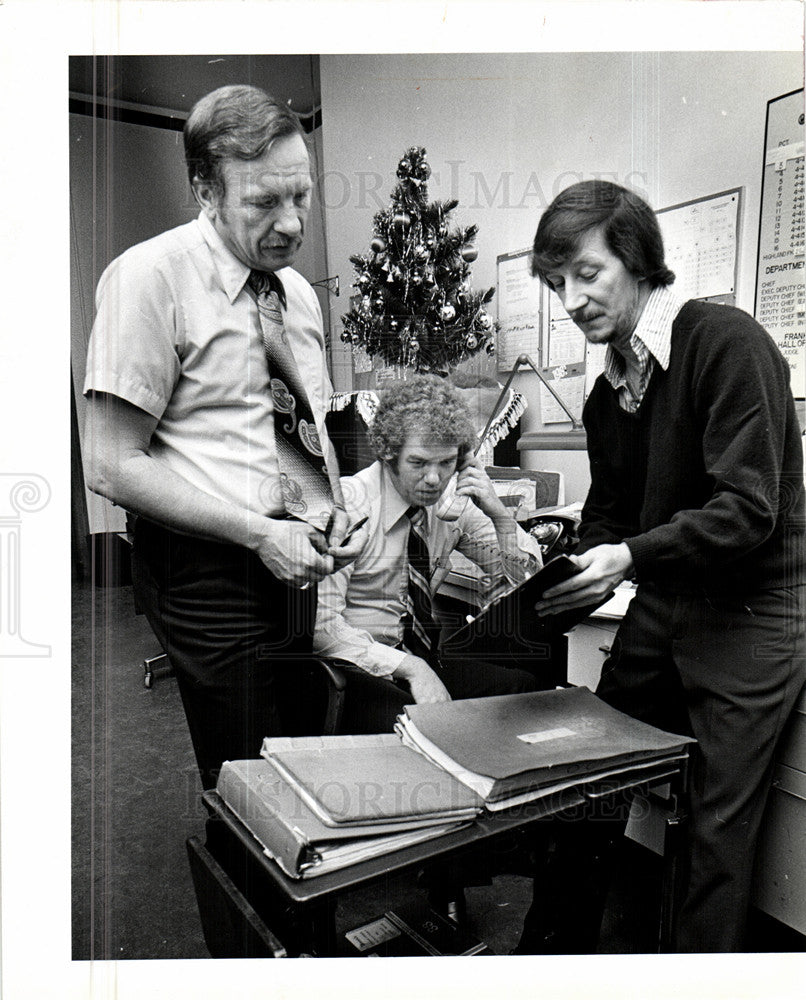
[{"x": 366, "y": 403}]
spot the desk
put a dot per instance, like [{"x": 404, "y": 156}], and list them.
[{"x": 301, "y": 912}]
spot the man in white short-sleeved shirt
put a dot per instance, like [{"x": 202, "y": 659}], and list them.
[{"x": 180, "y": 424}]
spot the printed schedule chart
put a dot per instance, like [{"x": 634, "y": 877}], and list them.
[{"x": 780, "y": 290}]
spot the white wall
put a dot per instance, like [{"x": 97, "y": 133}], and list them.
[{"x": 506, "y": 132}]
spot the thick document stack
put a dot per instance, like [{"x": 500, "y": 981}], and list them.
[
  {"x": 516, "y": 748},
  {"x": 321, "y": 803},
  {"x": 381, "y": 797}
]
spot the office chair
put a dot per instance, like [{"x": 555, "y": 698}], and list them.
[{"x": 317, "y": 669}]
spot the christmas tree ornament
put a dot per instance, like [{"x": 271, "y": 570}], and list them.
[
  {"x": 401, "y": 221},
  {"x": 472, "y": 342},
  {"x": 469, "y": 253},
  {"x": 448, "y": 313},
  {"x": 378, "y": 245},
  {"x": 485, "y": 321}
]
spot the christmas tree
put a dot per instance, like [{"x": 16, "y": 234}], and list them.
[{"x": 417, "y": 307}]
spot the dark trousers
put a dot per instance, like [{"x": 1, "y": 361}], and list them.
[
  {"x": 532, "y": 659},
  {"x": 371, "y": 704},
  {"x": 728, "y": 672},
  {"x": 233, "y": 633}
]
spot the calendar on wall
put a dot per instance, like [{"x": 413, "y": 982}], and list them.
[
  {"x": 780, "y": 304},
  {"x": 700, "y": 240}
]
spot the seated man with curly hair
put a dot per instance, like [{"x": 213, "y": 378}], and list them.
[{"x": 376, "y": 613}]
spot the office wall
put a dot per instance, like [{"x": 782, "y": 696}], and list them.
[{"x": 506, "y": 132}]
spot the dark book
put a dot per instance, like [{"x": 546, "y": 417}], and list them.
[
  {"x": 511, "y": 620},
  {"x": 412, "y": 930},
  {"x": 512, "y": 747}
]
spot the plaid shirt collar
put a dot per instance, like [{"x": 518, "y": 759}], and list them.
[{"x": 651, "y": 341}]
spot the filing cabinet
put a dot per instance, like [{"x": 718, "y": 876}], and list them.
[{"x": 780, "y": 878}]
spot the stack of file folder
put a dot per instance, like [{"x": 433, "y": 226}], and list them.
[
  {"x": 318, "y": 804},
  {"x": 517, "y": 748}
]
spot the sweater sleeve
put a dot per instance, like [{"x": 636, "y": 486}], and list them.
[
  {"x": 739, "y": 386},
  {"x": 603, "y": 521}
]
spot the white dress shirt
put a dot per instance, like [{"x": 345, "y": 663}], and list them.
[
  {"x": 178, "y": 335},
  {"x": 360, "y": 606}
]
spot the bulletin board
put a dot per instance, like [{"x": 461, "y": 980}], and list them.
[
  {"x": 780, "y": 303},
  {"x": 701, "y": 240},
  {"x": 519, "y": 304}
]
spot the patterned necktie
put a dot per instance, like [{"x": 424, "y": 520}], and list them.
[
  {"x": 419, "y": 628},
  {"x": 309, "y": 472}
]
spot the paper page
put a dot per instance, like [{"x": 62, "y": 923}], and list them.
[{"x": 570, "y": 390}]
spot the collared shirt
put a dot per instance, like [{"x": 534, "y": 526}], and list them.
[
  {"x": 177, "y": 334},
  {"x": 651, "y": 341},
  {"x": 360, "y": 607}
]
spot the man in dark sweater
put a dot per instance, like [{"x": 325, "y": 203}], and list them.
[{"x": 696, "y": 493}]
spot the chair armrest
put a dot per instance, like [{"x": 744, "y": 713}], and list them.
[
  {"x": 336, "y": 682},
  {"x": 334, "y": 671}
]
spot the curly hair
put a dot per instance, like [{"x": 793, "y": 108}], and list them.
[
  {"x": 424, "y": 406},
  {"x": 630, "y": 226},
  {"x": 233, "y": 122}
]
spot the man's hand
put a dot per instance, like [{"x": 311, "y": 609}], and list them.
[
  {"x": 294, "y": 551},
  {"x": 344, "y": 552},
  {"x": 474, "y": 482},
  {"x": 424, "y": 684},
  {"x": 602, "y": 570}
]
